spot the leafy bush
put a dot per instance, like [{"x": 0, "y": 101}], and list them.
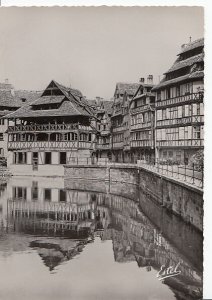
[{"x": 197, "y": 160}]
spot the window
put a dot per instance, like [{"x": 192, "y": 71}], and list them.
[
  {"x": 62, "y": 196},
  {"x": 1, "y": 137},
  {"x": 159, "y": 96},
  {"x": 48, "y": 158},
  {"x": 2, "y": 122},
  {"x": 186, "y": 133},
  {"x": 196, "y": 132},
  {"x": 163, "y": 114},
  {"x": 62, "y": 158},
  {"x": 47, "y": 195},
  {"x": 178, "y": 155},
  {"x": 20, "y": 157},
  {"x": 19, "y": 192},
  {"x": 198, "y": 109},
  {"x": 34, "y": 190},
  {"x": 168, "y": 93},
  {"x": 178, "y": 91},
  {"x": 170, "y": 154}
]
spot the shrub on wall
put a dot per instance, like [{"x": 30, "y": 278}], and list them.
[{"x": 197, "y": 160}]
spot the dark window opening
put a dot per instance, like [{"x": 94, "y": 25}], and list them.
[
  {"x": 19, "y": 193},
  {"x": 62, "y": 158},
  {"x": 47, "y": 195},
  {"x": 62, "y": 196},
  {"x": 48, "y": 158},
  {"x": 34, "y": 190},
  {"x": 20, "y": 157}
]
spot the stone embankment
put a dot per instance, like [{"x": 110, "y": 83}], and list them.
[{"x": 179, "y": 197}]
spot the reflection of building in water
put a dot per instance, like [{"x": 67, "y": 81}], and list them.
[
  {"x": 135, "y": 238},
  {"x": 82, "y": 215},
  {"x": 54, "y": 253}
]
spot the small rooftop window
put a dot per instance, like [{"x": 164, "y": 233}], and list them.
[{"x": 23, "y": 100}]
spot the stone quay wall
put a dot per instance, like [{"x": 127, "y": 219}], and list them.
[{"x": 177, "y": 197}]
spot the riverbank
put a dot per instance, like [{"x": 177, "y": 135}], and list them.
[{"x": 178, "y": 197}]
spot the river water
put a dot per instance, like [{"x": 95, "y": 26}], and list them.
[{"x": 70, "y": 240}]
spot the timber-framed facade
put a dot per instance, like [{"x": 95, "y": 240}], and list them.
[
  {"x": 179, "y": 106},
  {"x": 53, "y": 130}
]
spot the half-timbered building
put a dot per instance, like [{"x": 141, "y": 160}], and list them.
[
  {"x": 124, "y": 92},
  {"x": 53, "y": 130},
  {"x": 179, "y": 106},
  {"x": 142, "y": 113}
]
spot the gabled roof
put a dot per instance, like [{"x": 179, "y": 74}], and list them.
[
  {"x": 192, "y": 45},
  {"x": 195, "y": 75},
  {"x": 130, "y": 88},
  {"x": 14, "y": 98},
  {"x": 48, "y": 100},
  {"x": 141, "y": 85},
  {"x": 179, "y": 64},
  {"x": 8, "y": 100},
  {"x": 71, "y": 103},
  {"x": 28, "y": 95}
]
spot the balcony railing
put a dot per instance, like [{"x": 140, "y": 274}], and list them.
[
  {"x": 181, "y": 121},
  {"x": 181, "y": 143},
  {"x": 142, "y": 125},
  {"x": 142, "y": 143},
  {"x": 102, "y": 146},
  {"x": 118, "y": 145},
  {"x": 181, "y": 99},
  {"x": 51, "y": 145},
  {"x": 119, "y": 129},
  {"x": 48, "y": 127},
  {"x": 105, "y": 132},
  {"x": 142, "y": 108}
]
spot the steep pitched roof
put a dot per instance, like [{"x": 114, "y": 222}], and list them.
[
  {"x": 28, "y": 95},
  {"x": 70, "y": 100},
  {"x": 130, "y": 88},
  {"x": 195, "y": 75},
  {"x": 179, "y": 64},
  {"x": 192, "y": 45},
  {"x": 47, "y": 100},
  {"x": 7, "y": 99}
]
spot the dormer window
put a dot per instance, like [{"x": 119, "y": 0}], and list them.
[{"x": 23, "y": 100}]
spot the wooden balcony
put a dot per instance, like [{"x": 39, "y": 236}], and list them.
[
  {"x": 105, "y": 132},
  {"x": 181, "y": 99},
  {"x": 49, "y": 145},
  {"x": 119, "y": 129},
  {"x": 142, "y": 108},
  {"x": 180, "y": 121},
  {"x": 102, "y": 146},
  {"x": 142, "y": 143},
  {"x": 48, "y": 127},
  {"x": 142, "y": 125},
  {"x": 196, "y": 143},
  {"x": 118, "y": 145}
]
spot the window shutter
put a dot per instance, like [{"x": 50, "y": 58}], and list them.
[
  {"x": 180, "y": 111},
  {"x": 181, "y": 133}
]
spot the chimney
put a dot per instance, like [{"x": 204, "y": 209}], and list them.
[
  {"x": 150, "y": 79},
  {"x": 6, "y": 80},
  {"x": 98, "y": 100},
  {"x": 142, "y": 80}
]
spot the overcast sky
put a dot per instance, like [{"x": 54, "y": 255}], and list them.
[{"x": 92, "y": 48}]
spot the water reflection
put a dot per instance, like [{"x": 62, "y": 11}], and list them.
[{"x": 58, "y": 223}]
